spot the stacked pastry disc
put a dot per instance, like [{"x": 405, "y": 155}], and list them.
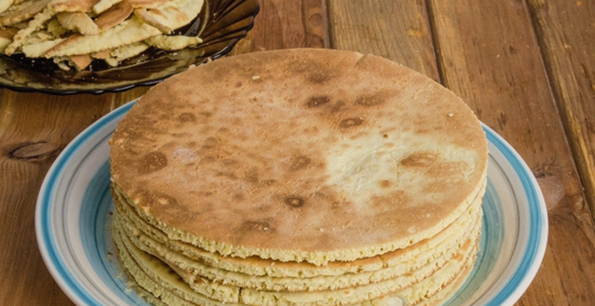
[{"x": 298, "y": 177}]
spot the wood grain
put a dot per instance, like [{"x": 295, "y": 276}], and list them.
[
  {"x": 285, "y": 24},
  {"x": 490, "y": 56},
  {"x": 398, "y": 30},
  {"x": 566, "y": 32},
  {"x": 34, "y": 128}
]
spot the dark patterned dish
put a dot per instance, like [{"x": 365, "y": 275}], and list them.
[{"x": 221, "y": 24}]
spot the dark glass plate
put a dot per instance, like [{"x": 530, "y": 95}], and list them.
[{"x": 221, "y": 24}]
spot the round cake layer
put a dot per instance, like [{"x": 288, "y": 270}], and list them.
[
  {"x": 434, "y": 290},
  {"x": 393, "y": 265},
  {"x": 191, "y": 257},
  {"x": 448, "y": 290},
  {"x": 156, "y": 278},
  {"x": 300, "y": 155},
  {"x": 426, "y": 278},
  {"x": 202, "y": 272}
]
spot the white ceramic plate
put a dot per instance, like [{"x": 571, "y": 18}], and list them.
[{"x": 74, "y": 206}]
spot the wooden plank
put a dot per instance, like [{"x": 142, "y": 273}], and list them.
[
  {"x": 489, "y": 56},
  {"x": 566, "y": 32},
  {"x": 34, "y": 128},
  {"x": 398, "y": 30},
  {"x": 284, "y": 24}
]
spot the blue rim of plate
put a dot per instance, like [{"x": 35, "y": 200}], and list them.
[{"x": 514, "y": 287}]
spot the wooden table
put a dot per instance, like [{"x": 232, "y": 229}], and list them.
[{"x": 525, "y": 67}]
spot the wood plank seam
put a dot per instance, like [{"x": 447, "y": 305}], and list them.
[
  {"x": 310, "y": 29},
  {"x": 435, "y": 43},
  {"x": 397, "y": 30},
  {"x": 577, "y": 158},
  {"x": 490, "y": 56},
  {"x": 442, "y": 67},
  {"x": 329, "y": 29}
]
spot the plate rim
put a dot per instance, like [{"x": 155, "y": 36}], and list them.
[
  {"x": 515, "y": 285},
  {"x": 520, "y": 280}
]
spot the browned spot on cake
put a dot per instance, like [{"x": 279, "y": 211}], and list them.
[
  {"x": 294, "y": 201},
  {"x": 239, "y": 84},
  {"x": 210, "y": 142},
  {"x": 313, "y": 71},
  {"x": 384, "y": 183},
  {"x": 268, "y": 182},
  {"x": 371, "y": 100},
  {"x": 299, "y": 162},
  {"x": 336, "y": 205},
  {"x": 350, "y": 122},
  {"x": 187, "y": 117},
  {"x": 316, "y": 101},
  {"x": 252, "y": 176},
  {"x": 152, "y": 162},
  {"x": 419, "y": 159},
  {"x": 238, "y": 197}
]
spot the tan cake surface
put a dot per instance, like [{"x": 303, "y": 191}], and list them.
[{"x": 302, "y": 155}]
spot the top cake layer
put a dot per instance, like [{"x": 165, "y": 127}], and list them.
[{"x": 300, "y": 155}]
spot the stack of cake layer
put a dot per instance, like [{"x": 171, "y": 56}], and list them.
[{"x": 298, "y": 177}]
